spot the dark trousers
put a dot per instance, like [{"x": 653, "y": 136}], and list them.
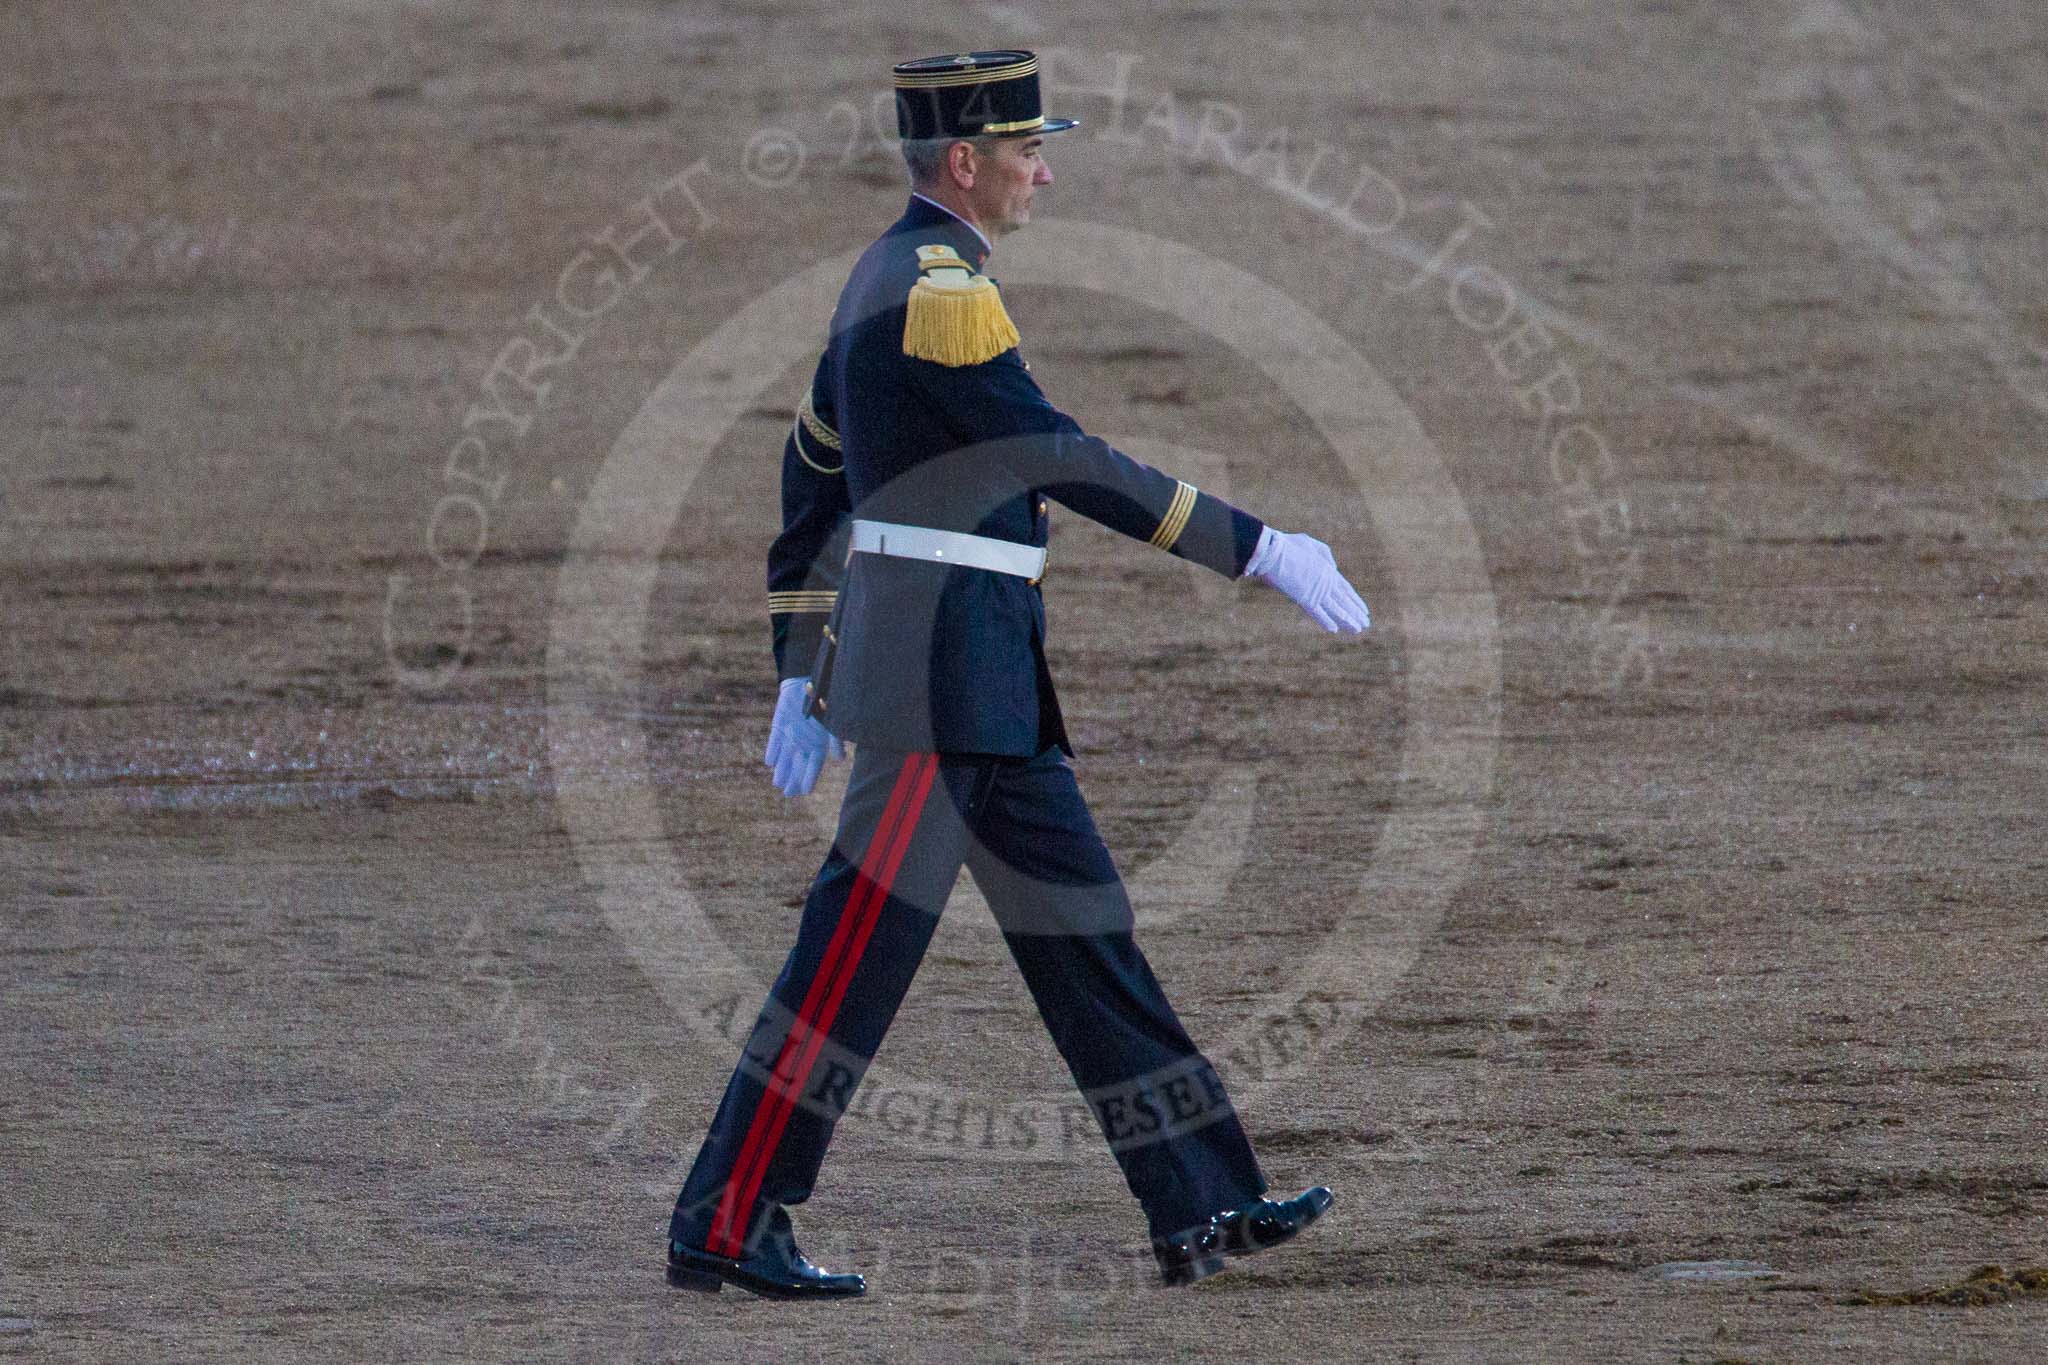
[{"x": 908, "y": 824}]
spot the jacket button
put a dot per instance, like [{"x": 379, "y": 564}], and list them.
[{"x": 1041, "y": 507}]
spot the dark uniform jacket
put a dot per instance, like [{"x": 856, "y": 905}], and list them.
[{"x": 913, "y": 655}]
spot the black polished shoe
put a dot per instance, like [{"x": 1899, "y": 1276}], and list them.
[
  {"x": 1268, "y": 1222},
  {"x": 1198, "y": 1253},
  {"x": 774, "y": 1270}
]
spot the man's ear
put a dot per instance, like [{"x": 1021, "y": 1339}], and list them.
[{"x": 960, "y": 161}]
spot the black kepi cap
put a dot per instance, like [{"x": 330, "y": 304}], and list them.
[{"x": 972, "y": 94}]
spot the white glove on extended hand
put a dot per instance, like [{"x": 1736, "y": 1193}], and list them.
[
  {"x": 797, "y": 743},
  {"x": 1303, "y": 568}
]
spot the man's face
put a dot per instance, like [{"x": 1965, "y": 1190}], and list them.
[{"x": 1005, "y": 178}]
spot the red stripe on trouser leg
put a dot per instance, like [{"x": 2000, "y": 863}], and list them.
[
  {"x": 725, "y": 1238},
  {"x": 870, "y": 912},
  {"x": 867, "y": 924},
  {"x": 876, "y": 884}
]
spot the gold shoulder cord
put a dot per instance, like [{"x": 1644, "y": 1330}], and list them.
[{"x": 807, "y": 421}]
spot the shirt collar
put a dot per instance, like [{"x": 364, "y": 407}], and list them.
[{"x": 985, "y": 242}]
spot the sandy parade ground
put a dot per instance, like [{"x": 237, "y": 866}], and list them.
[{"x": 1640, "y": 930}]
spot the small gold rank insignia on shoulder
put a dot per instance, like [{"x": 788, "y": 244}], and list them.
[{"x": 955, "y": 317}]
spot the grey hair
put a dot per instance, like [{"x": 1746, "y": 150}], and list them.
[{"x": 926, "y": 157}]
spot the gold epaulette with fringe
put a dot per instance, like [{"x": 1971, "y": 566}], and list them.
[{"x": 955, "y": 316}]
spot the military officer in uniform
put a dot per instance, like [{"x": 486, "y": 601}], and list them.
[{"x": 908, "y": 622}]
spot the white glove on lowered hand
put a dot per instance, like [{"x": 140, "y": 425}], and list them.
[
  {"x": 797, "y": 743},
  {"x": 1303, "y": 568}
]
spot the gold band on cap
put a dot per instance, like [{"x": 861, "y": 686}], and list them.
[
  {"x": 1022, "y": 125},
  {"x": 972, "y": 76}
]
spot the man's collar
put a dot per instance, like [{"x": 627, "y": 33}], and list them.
[{"x": 986, "y": 245}]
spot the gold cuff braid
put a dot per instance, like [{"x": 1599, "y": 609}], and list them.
[
  {"x": 1176, "y": 519},
  {"x": 805, "y": 600}
]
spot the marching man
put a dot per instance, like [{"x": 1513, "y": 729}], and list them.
[{"x": 908, "y": 622}]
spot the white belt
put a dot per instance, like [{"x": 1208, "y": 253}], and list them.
[{"x": 949, "y": 547}]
